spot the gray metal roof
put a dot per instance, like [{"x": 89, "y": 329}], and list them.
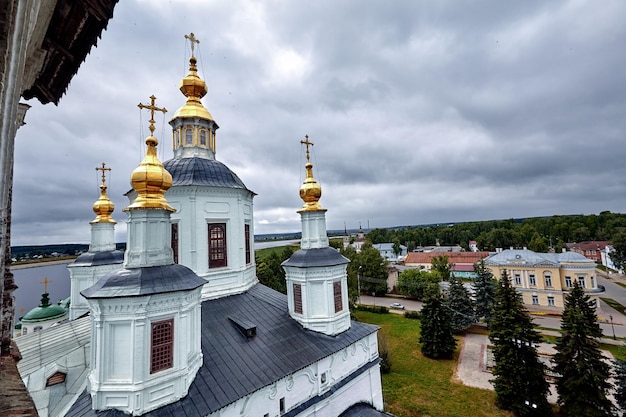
[
  {"x": 235, "y": 365},
  {"x": 364, "y": 410},
  {"x": 99, "y": 258},
  {"x": 144, "y": 281},
  {"x": 528, "y": 257},
  {"x": 304, "y": 258},
  {"x": 202, "y": 172}
]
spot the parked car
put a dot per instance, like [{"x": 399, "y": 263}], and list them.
[{"x": 396, "y": 306}]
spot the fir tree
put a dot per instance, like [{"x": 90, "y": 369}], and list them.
[
  {"x": 484, "y": 292},
  {"x": 620, "y": 384},
  {"x": 436, "y": 335},
  {"x": 583, "y": 381},
  {"x": 460, "y": 305},
  {"x": 519, "y": 381}
]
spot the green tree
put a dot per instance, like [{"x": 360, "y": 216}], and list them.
[
  {"x": 270, "y": 272},
  {"x": 519, "y": 375},
  {"x": 436, "y": 336},
  {"x": 618, "y": 255},
  {"x": 583, "y": 381},
  {"x": 619, "y": 371},
  {"x": 397, "y": 249},
  {"x": 441, "y": 264},
  {"x": 372, "y": 270},
  {"x": 415, "y": 282},
  {"x": 461, "y": 306},
  {"x": 484, "y": 292},
  {"x": 538, "y": 244}
]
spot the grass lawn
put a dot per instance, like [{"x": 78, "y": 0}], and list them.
[
  {"x": 421, "y": 387},
  {"x": 615, "y": 304}
]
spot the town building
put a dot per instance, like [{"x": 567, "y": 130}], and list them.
[
  {"x": 172, "y": 334},
  {"x": 543, "y": 279},
  {"x": 462, "y": 262},
  {"x": 387, "y": 251},
  {"x": 589, "y": 249}
]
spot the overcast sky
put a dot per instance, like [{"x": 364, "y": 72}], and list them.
[{"x": 420, "y": 111}]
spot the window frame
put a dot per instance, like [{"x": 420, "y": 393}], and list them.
[
  {"x": 174, "y": 241},
  {"x": 337, "y": 296},
  {"x": 247, "y": 243},
  {"x": 535, "y": 300},
  {"x": 217, "y": 245},
  {"x": 161, "y": 352},
  {"x": 297, "y": 298},
  {"x": 532, "y": 280}
]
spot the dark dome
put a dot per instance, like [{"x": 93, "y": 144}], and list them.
[{"x": 202, "y": 171}]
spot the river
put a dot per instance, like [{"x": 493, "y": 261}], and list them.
[{"x": 29, "y": 279}]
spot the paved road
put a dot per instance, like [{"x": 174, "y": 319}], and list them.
[{"x": 551, "y": 322}]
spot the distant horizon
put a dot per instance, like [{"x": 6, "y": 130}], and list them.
[{"x": 335, "y": 232}]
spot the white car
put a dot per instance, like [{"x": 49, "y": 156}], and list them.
[{"x": 396, "y": 306}]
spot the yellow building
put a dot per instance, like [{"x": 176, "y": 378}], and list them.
[{"x": 544, "y": 279}]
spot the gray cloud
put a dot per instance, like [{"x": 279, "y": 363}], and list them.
[{"x": 420, "y": 112}]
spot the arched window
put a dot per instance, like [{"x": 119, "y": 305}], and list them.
[
  {"x": 203, "y": 137},
  {"x": 176, "y": 138},
  {"x": 188, "y": 136}
]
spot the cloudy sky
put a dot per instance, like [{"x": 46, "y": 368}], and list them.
[{"x": 421, "y": 112}]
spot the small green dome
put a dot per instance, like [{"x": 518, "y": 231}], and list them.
[{"x": 44, "y": 312}]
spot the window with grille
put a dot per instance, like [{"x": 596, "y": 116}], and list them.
[
  {"x": 297, "y": 298},
  {"x": 174, "y": 241},
  {"x": 217, "y": 245},
  {"x": 247, "y": 237},
  {"x": 162, "y": 346},
  {"x": 337, "y": 294}
]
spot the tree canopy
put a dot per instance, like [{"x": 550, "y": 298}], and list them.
[
  {"x": 415, "y": 282},
  {"x": 460, "y": 305},
  {"x": 519, "y": 374},
  {"x": 537, "y": 233},
  {"x": 579, "y": 363},
  {"x": 484, "y": 292},
  {"x": 436, "y": 336}
]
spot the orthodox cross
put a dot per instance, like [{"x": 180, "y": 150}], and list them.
[
  {"x": 152, "y": 109},
  {"x": 45, "y": 283},
  {"x": 192, "y": 39},
  {"x": 103, "y": 169},
  {"x": 307, "y": 143}
]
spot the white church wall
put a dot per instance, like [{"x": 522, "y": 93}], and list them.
[
  {"x": 196, "y": 208},
  {"x": 120, "y": 375},
  {"x": 315, "y": 380},
  {"x": 81, "y": 278}
]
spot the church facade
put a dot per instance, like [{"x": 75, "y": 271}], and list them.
[{"x": 181, "y": 326}]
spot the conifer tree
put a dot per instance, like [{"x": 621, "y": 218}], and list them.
[
  {"x": 460, "y": 305},
  {"x": 519, "y": 381},
  {"x": 436, "y": 335},
  {"x": 484, "y": 292},
  {"x": 620, "y": 384},
  {"x": 583, "y": 381}
]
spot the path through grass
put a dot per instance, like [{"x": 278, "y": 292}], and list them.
[{"x": 420, "y": 387}]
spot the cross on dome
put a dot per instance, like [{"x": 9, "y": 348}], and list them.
[
  {"x": 152, "y": 109},
  {"x": 45, "y": 283},
  {"x": 192, "y": 39},
  {"x": 103, "y": 169},
  {"x": 307, "y": 143}
]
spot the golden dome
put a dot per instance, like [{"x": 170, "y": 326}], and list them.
[
  {"x": 194, "y": 88},
  {"x": 103, "y": 207},
  {"x": 150, "y": 180},
  {"x": 310, "y": 191}
]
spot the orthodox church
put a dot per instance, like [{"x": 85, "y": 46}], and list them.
[{"x": 179, "y": 325}]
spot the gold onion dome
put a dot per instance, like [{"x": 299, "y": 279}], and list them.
[
  {"x": 194, "y": 88},
  {"x": 150, "y": 179},
  {"x": 310, "y": 190},
  {"x": 103, "y": 207}
]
